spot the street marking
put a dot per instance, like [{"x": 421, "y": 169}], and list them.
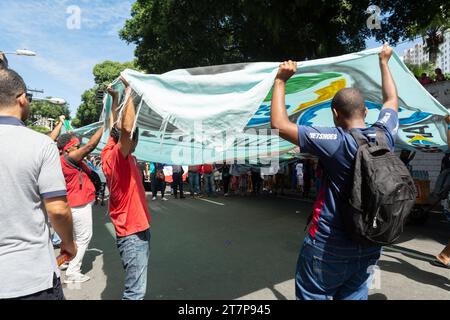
[
  {"x": 95, "y": 250},
  {"x": 217, "y": 203}
]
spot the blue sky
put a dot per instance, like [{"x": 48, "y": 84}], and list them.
[{"x": 66, "y": 57}]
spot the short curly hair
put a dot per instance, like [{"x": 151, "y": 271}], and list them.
[{"x": 64, "y": 139}]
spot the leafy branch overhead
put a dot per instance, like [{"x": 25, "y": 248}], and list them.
[{"x": 173, "y": 34}]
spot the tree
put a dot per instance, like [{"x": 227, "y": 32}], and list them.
[
  {"x": 427, "y": 19},
  {"x": 88, "y": 112},
  {"x": 108, "y": 71},
  {"x": 417, "y": 70},
  {"x": 433, "y": 37},
  {"x": 44, "y": 109},
  {"x": 172, "y": 34},
  {"x": 92, "y": 100},
  {"x": 43, "y": 130}
]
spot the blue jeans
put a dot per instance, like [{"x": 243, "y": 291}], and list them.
[
  {"x": 157, "y": 185},
  {"x": 194, "y": 183},
  {"x": 135, "y": 253},
  {"x": 327, "y": 272},
  {"x": 209, "y": 183},
  {"x": 442, "y": 185}
]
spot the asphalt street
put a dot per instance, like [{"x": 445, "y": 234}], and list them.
[{"x": 246, "y": 248}]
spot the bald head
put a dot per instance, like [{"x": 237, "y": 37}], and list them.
[{"x": 349, "y": 104}]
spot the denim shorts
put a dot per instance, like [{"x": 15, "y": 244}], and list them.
[{"x": 328, "y": 272}]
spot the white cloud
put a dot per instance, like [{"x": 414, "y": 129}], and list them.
[{"x": 64, "y": 56}]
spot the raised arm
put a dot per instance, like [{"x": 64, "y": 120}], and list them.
[
  {"x": 390, "y": 94},
  {"x": 82, "y": 152},
  {"x": 115, "y": 104},
  {"x": 128, "y": 118},
  {"x": 57, "y": 131},
  {"x": 279, "y": 117}
]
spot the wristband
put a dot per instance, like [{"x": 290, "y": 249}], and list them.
[{"x": 448, "y": 126}]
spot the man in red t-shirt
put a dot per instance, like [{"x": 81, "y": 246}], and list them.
[
  {"x": 127, "y": 205},
  {"x": 80, "y": 195}
]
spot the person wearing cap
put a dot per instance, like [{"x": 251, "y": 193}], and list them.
[{"x": 80, "y": 194}]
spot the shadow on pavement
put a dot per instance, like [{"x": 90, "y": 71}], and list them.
[
  {"x": 200, "y": 250},
  {"x": 89, "y": 258},
  {"x": 434, "y": 229},
  {"x": 410, "y": 253},
  {"x": 204, "y": 251},
  {"x": 414, "y": 273},
  {"x": 112, "y": 267}
]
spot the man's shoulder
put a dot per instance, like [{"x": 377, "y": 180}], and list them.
[{"x": 34, "y": 138}]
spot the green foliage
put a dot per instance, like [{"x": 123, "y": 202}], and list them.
[
  {"x": 91, "y": 101},
  {"x": 88, "y": 112},
  {"x": 427, "y": 19},
  {"x": 427, "y": 68},
  {"x": 172, "y": 34},
  {"x": 39, "y": 129},
  {"x": 46, "y": 110},
  {"x": 108, "y": 71},
  {"x": 181, "y": 34}
]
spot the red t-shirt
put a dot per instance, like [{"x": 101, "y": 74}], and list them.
[
  {"x": 127, "y": 204},
  {"x": 80, "y": 189},
  {"x": 207, "y": 169}
]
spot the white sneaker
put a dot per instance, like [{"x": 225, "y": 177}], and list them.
[
  {"x": 165, "y": 199},
  {"x": 76, "y": 278},
  {"x": 64, "y": 266},
  {"x": 154, "y": 199}
]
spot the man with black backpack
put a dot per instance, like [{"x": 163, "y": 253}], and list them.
[
  {"x": 348, "y": 223},
  {"x": 82, "y": 185}
]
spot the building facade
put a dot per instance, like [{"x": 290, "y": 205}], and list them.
[{"x": 417, "y": 54}]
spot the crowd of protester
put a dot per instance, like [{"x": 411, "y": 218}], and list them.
[
  {"x": 426, "y": 79},
  {"x": 212, "y": 180}
]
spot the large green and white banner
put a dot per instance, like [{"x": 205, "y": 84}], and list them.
[{"x": 212, "y": 114}]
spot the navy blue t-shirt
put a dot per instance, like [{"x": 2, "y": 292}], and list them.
[{"x": 336, "y": 149}]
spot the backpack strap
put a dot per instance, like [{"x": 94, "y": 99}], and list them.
[
  {"x": 381, "y": 138},
  {"x": 361, "y": 140},
  {"x": 82, "y": 167},
  {"x": 75, "y": 165}
]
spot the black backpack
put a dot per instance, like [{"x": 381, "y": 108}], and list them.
[
  {"x": 382, "y": 194},
  {"x": 93, "y": 176}
]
